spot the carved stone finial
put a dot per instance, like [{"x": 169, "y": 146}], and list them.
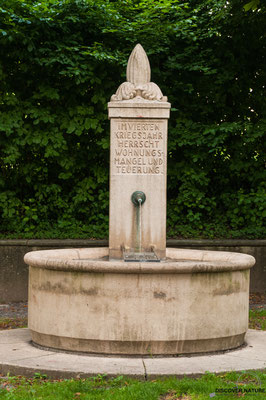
[
  {"x": 138, "y": 67},
  {"x": 138, "y": 83}
]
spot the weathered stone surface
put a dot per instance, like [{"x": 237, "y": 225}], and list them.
[
  {"x": 113, "y": 307},
  {"x": 138, "y": 160},
  {"x": 14, "y": 272},
  {"x": 178, "y": 261},
  {"x": 19, "y": 357},
  {"x": 138, "y": 79}
]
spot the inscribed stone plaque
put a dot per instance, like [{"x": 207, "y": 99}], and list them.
[{"x": 138, "y": 147}]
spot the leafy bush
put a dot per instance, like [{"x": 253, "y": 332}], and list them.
[{"x": 60, "y": 61}]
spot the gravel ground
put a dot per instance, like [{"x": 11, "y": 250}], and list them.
[
  {"x": 257, "y": 306},
  {"x": 257, "y": 301},
  {"x": 14, "y": 310}
]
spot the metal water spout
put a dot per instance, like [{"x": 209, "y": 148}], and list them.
[
  {"x": 139, "y": 254},
  {"x": 138, "y": 199}
]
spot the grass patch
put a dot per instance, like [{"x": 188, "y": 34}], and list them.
[
  {"x": 257, "y": 319},
  {"x": 13, "y": 323},
  {"x": 121, "y": 388}
]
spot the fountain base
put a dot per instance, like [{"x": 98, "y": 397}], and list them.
[
  {"x": 140, "y": 257},
  {"x": 194, "y": 301},
  {"x": 143, "y": 349}
]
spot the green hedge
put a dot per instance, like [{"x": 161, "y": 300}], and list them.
[{"x": 60, "y": 61}]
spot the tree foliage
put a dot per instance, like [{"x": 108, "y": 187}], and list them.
[{"x": 60, "y": 61}]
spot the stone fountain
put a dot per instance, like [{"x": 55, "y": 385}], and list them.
[{"x": 137, "y": 297}]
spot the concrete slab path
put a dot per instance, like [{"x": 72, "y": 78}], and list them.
[{"x": 19, "y": 357}]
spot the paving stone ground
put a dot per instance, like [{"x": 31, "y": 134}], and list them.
[{"x": 19, "y": 357}]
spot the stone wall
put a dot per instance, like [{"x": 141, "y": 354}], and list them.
[{"x": 14, "y": 272}]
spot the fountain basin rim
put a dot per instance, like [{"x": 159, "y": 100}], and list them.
[{"x": 179, "y": 261}]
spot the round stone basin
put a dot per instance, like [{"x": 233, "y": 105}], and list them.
[{"x": 194, "y": 301}]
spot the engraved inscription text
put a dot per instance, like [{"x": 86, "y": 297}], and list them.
[{"x": 138, "y": 148}]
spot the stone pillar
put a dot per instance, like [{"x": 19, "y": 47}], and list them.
[{"x": 138, "y": 160}]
